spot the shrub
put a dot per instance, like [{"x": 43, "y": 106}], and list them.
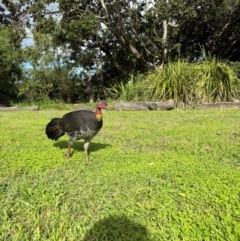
[{"x": 186, "y": 83}]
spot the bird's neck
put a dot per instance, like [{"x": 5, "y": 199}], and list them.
[{"x": 98, "y": 114}]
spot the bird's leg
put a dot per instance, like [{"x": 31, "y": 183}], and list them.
[
  {"x": 86, "y": 145},
  {"x": 68, "y": 154}
]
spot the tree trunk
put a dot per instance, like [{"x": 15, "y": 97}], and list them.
[
  {"x": 122, "y": 38},
  {"x": 15, "y": 108},
  {"x": 164, "y": 44},
  {"x": 103, "y": 96},
  {"x": 91, "y": 95},
  {"x": 167, "y": 105},
  {"x": 218, "y": 105}
]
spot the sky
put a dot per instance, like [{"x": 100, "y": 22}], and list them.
[{"x": 27, "y": 42}]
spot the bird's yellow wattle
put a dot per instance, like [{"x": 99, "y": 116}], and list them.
[{"x": 98, "y": 115}]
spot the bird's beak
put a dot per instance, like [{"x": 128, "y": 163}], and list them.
[{"x": 106, "y": 108}]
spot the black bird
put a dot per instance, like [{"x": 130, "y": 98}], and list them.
[{"x": 81, "y": 124}]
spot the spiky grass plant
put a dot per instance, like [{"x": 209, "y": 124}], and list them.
[
  {"x": 128, "y": 91},
  {"x": 217, "y": 82},
  {"x": 190, "y": 83},
  {"x": 174, "y": 82}
]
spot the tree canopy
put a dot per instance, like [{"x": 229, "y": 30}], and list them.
[{"x": 109, "y": 40}]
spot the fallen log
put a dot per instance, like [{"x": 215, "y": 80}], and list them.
[
  {"x": 167, "y": 105},
  {"x": 219, "y": 105},
  {"x": 76, "y": 108},
  {"x": 15, "y": 108}
]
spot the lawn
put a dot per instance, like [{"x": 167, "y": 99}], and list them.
[{"x": 152, "y": 176}]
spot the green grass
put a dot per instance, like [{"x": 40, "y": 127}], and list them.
[{"x": 152, "y": 176}]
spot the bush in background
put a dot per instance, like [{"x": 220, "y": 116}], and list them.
[{"x": 186, "y": 83}]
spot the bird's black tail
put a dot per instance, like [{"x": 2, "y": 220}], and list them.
[{"x": 52, "y": 130}]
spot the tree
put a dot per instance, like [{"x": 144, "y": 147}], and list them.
[
  {"x": 11, "y": 35},
  {"x": 109, "y": 40},
  {"x": 10, "y": 70},
  {"x": 214, "y": 25},
  {"x": 50, "y": 75},
  {"x": 137, "y": 30}
]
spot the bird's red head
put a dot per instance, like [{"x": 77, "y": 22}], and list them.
[{"x": 102, "y": 105}]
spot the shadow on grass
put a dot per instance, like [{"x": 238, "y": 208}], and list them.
[
  {"x": 117, "y": 228},
  {"x": 78, "y": 146}
]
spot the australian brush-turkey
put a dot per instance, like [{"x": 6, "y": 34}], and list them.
[{"x": 81, "y": 124}]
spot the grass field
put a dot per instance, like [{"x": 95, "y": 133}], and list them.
[{"x": 152, "y": 176}]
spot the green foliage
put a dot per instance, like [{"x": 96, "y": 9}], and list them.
[
  {"x": 171, "y": 83},
  {"x": 189, "y": 83},
  {"x": 38, "y": 86},
  {"x": 128, "y": 91},
  {"x": 236, "y": 67},
  {"x": 10, "y": 71},
  {"x": 50, "y": 77},
  {"x": 130, "y": 34},
  {"x": 217, "y": 82},
  {"x": 152, "y": 176},
  {"x": 112, "y": 41}
]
